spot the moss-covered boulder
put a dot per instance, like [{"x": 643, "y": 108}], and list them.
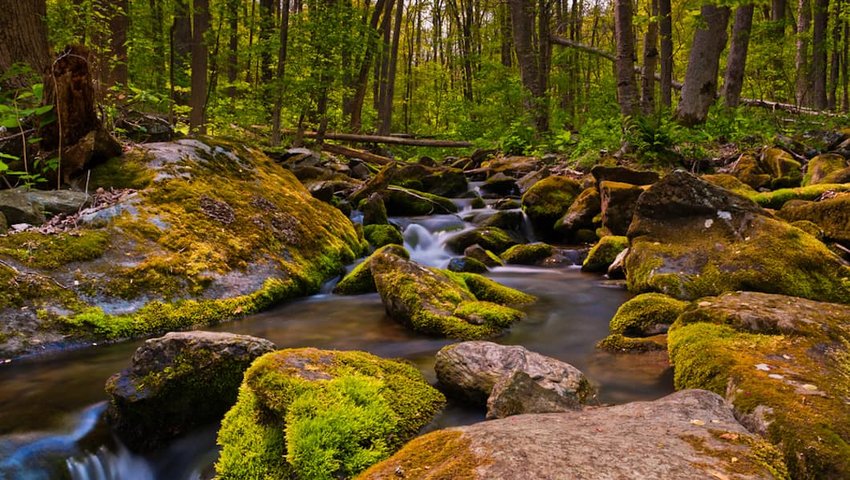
[
  {"x": 308, "y": 413},
  {"x": 177, "y": 382},
  {"x": 359, "y": 280},
  {"x": 748, "y": 170},
  {"x": 646, "y": 315},
  {"x": 684, "y": 436},
  {"x": 381, "y": 235},
  {"x": 410, "y": 202},
  {"x": 374, "y": 210},
  {"x": 483, "y": 255},
  {"x": 442, "y": 303},
  {"x": 783, "y": 363},
  {"x": 618, "y": 204},
  {"x": 602, "y": 255},
  {"x": 442, "y": 181},
  {"x": 782, "y": 168},
  {"x": 822, "y": 166},
  {"x": 490, "y": 238},
  {"x": 838, "y": 176},
  {"x": 620, "y": 174},
  {"x": 777, "y": 198},
  {"x": 731, "y": 183},
  {"x": 581, "y": 214},
  {"x": 691, "y": 239},
  {"x": 208, "y": 232},
  {"x": 831, "y": 215},
  {"x": 528, "y": 253},
  {"x": 548, "y": 200},
  {"x": 466, "y": 264}
]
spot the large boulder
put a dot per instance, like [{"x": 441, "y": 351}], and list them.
[
  {"x": 359, "y": 279},
  {"x": 490, "y": 238},
  {"x": 309, "y": 413},
  {"x": 690, "y": 239},
  {"x": 782, "y": 168},
  {"x": 177, "y": 382},
  {"x": 832, "y": 215},
  {"x": 410, "y": 202},
  {"x": 640, "y": 324},
  {"x": 548, "y": 200},
  {"x": 581, "y": 214},
  {"x": 518, "y": 393},
  {"x": 618, "y": 205},
  {"x": 823, "y": 166},
  {"x": 18, "y": 208},
  {"x": 683, "y": 436},
  {"x": 783, "y": 363},
  {"x": 470, "y": 371},
  {"x": 184, "y": 234},
  {"x": 433, "y": 302},
  {"x": 603, "y": 254},
  {"x": 602, "y": 173},
  {"x": 748, "y": 170},
  {"x": 59, "y": 201}
]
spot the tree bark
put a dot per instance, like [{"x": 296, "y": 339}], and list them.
[
  {"x": 802, "y": 87},
  {"x": 528, "y": 58},
  {"x": 625, "y": 64},
  {"x": 819, "y": 30},
  {"x": 181, "y": 49},
  {"x": 385, "y": 114},
  {"x": 359, "y": 97},
  {"x": 834, "y": 66},
  {"x": 200, "y": 59},
  {"x": 281, "y": 71},
  {"x": 233, "y": 46},
  {"x": 23, "y": 35},
  {"x": 114, "y": 65},
  {"x": 666, "y": 30},
  {"x": 267, "y": 9},
  {"x": 650, "y": 59},
  {"x": 700, "y": 85},
  {"x": 505, "y": 41},
  {"x": 736, "y": 62}
]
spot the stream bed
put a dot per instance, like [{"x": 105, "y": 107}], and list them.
[{"x": 50, "y": 406}]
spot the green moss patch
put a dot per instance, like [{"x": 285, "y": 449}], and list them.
[
  {"x": 308, "y": 413},
  {"x": 380, "y": 235},
  {"x": 49, "y": 252},
  {"x": 602, "y": 255},
  {"x": 777, "y": 198},
  {"x": 646, "y": 314},
  {"x": 440, "y": 455},
  {"x": 528, "y": 254},
  {"x": 360, "y": 279},
  {"x": 548, "y": 200}
]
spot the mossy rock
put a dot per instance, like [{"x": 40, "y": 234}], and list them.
[
  {"x": 466, "y": 264},
  {"x": 581, "y": 213},
  {"x": 838, "y": 176},
  {"x": 618, "y": 202},
  {"x": 619, "y": 343},
  {"x": 410, "y": 202},
  {"x": 602, "y": 255},
  {"x": 442, "y": 181},
  {"x": 777, "y": 198},
  {"x": 832, "y": 216},
  {"x": 646, "y": 315},
  {"x": 783, "y": 363},
  {"x": 359, "y": 280},
  {"x": 528, "y": 253},
  {"x": 691, "y": 239},
  {"x": 748, "y": 170},
  {"x": 217, "y": 231},
  {"x": 309, "y": 413},
  {"x": 490, "y": 238},
  {"x": 442, "y": 303},
  {"x": 782, "y": 168},
  {"x": 548, "y": 200},
  {"x": 381, "y": 235},
  {"x": 731, "y": 183},
  {"x": 822, "y": 166},
  {"x": 374, "y": 210}
]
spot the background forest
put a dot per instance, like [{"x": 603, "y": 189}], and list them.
[{"x": 526, "y": 76}]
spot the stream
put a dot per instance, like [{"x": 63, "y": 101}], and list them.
[{"x": 50, "y": 407}]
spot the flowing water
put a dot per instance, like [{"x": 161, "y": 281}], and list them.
[{"x": 50, "y": 407}]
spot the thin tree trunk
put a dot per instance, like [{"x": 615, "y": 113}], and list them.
[
  {"x": 650, "y": 58},
  {"x": 158, "y": 42},
  {"x": 181, "y": 49},
  {"x": 801, "y": 60},
  {"x": 281, "y": 72},
  {"x": 666, "y": 30},
  {"x": 119, "y": 24},
  {"x": 625, "y": 64},
  {"x": 819, "y": 27},
  {"x": 250, "y": 62},
  {"x": 359, "y": 96},
  {"x": 233, "y": 47},
  {"x": 736, "y": 62},
  {"x": 200, "y": 54},
  {"x": 267, "y": 9},
  {"x": 700, "y": 84},
  {"x": 385, "y": 114},
  {"x": 528, "y": 58},
  {"x": 505, "y": 41},
  {"x": 834, "y": 70},
  {"x": 845, "y": 82}
]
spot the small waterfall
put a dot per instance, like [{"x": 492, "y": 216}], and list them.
[
  {"x": 107, "y": 465},
  {"x": 426, "y": 247}
]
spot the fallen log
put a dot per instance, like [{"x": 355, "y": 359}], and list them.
[
  {"x": 412, "y": 142},
  {"x": 353, "y": 153}
]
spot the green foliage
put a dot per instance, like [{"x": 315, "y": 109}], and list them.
[
  {"x": 339, "y": 430},
  {"x": 654, "y": 137}
]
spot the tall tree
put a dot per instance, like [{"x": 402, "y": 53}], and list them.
[
  {"x": 666, "y": 30},
  {"x": 700, "y": 85},
  {"x": 114, "y": 69},
  {"x": 736, "y": 62},
  {"x": 819, "y": 47},
  {"x": 200, "y": 60},
  {"x": 233, "y": 46},
  {"x": 802, "y": 89},
  {"x": 650, "y": 59},
  {"x": 385, "y": 112},
  {"x": 23, "y": 34},
  {"x": 625, "y": 63},
  {"x": 533, "y": 66},
  {"x": 355, "y": 107},
  {"x": 281, "y": 71}
]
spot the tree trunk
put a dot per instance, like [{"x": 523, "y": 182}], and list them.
[
  {"x": 700, "y": 85},
  {"x": 845, "y": 81},
  {"x": 114, "y": 68},
  {"x": 267, "y": 9},
  {"x": 802, "y": 88},
  {"x": 233, "y": 46},
  {"x": 819, "y": 29},
  {"x": 200, "y": 54},
  {"x": 385, "y": 114},
  {"x": 281, "y": 71},
  {"x": 362, "y": 84},
  {"x": 528, "y": 58},
  {"x": 625, "y": 64},
  {"x": 835, "y": 62},
  {"x": 650, "y": 59},
  {"x": 181, "y": 49},
  {"x": 736, "y": 62},
  {"x": 506, "y": 44},
  {"x": 666, "y": 27},
  {"x": 23, "y": 35}
]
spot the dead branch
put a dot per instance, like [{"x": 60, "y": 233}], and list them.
[{"x": 353, "y": 153}]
